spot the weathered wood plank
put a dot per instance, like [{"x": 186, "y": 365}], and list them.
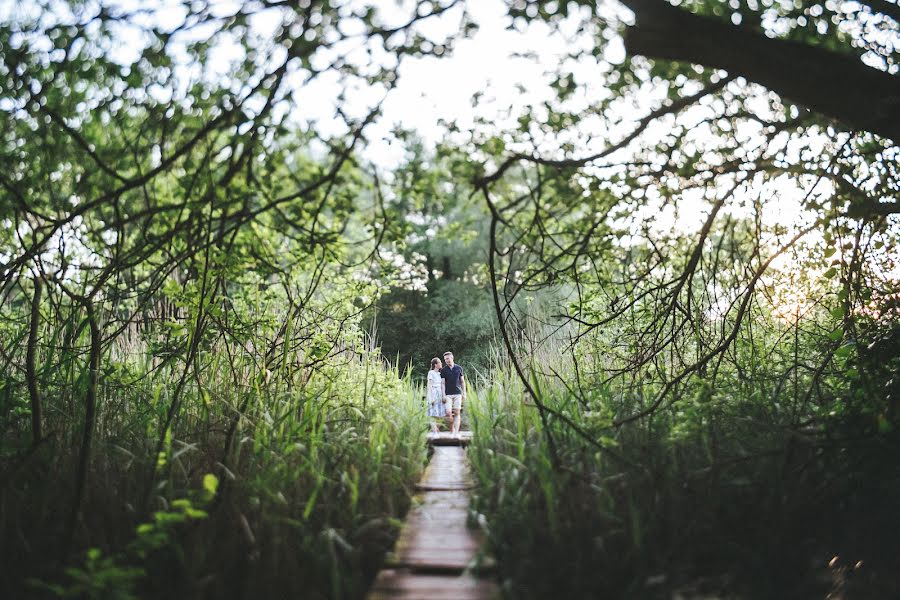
[
  {"x": 435, "y": 535},
  {"x": 448, "y": 469},
  {"x": 402, "y": 584},
  {"x": 444, "y": 438},
  {"x": 436, "y": 551}
]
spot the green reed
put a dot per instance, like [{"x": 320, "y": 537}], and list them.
[
  {"x": 314, "y": 468},
  {"x": 714, "y": 494}
]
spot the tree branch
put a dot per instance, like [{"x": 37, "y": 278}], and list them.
[{"x": 835, "y": 85}]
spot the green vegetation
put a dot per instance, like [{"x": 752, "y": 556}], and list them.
[
  {"x": 670, "y": 267},
  {"x": 719, "y": 494},
  {"x": 186, "y": 409},
  {"x": 443, "y": 240},
  {"x": 313, "y": 472}
]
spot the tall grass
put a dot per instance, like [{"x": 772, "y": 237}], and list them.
[
  {"x": 714, "y": 496},
  {"x": 310, "y": 471}
]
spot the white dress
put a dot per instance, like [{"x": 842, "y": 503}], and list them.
[{"x": 435, "y": 394}]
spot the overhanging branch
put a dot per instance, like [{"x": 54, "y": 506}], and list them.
[{"x": 835, "y": 85}]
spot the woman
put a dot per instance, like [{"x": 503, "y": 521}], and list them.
[{"x": 435, "y": 394}]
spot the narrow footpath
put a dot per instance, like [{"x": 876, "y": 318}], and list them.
[{"x": 436, "y": 553}]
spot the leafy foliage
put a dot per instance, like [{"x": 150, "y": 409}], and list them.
[{"x": 676, "y": 273}]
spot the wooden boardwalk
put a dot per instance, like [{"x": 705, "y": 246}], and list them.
[{"x": 437, "y": 553}]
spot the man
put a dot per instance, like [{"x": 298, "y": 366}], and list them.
[{"x": 454, "y": 389}]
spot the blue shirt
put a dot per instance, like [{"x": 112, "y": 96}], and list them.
[{"x": 453, "y": 377}]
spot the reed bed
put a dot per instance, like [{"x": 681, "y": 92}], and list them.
[
  {"x": 284, "y": 483},
  {"x": 716, "y": 495}
]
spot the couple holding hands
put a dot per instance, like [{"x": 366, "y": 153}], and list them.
[{"x": 446, "y": 392}]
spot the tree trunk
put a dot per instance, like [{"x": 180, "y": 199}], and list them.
[
  {"x": 447, "y": 274},
  {"x": 90, "y": 406}
]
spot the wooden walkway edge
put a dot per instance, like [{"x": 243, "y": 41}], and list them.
[{"x": 437, "y": 555}]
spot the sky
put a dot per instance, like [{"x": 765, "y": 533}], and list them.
[
  {"x": 430, "y": 89},
  {"x": 486, "y": 75},
  {"x": 489, "y": 66}
]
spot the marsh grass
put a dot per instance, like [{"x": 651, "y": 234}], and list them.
[
  {"x": 314, "y": 469},
  {"x": 715, "y": 496}
]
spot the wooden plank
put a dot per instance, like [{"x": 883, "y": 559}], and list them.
[
  {"x": 448, "y": 469},
  {"x": 444, "y": 488},
  {"x": 444, "y": 438},
  {"x": 436, "y": 553},
  {"x": 435, "y": 535},
  {"x": 401, "y": 584}
]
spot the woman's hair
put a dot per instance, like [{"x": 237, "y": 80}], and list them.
[{"x": 435, "y": 361}]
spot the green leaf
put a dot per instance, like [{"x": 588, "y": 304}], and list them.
[
  {"x": 310, "y": 504},
  {"x": 830, "y": 273},
  {"x": 195, "y": 513},
  {"x": 210, "y": 484},
  {"x": 836, "y": 335},
  {"x": 843, "y": 351},
  {"x": 838, "y": 313}
]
